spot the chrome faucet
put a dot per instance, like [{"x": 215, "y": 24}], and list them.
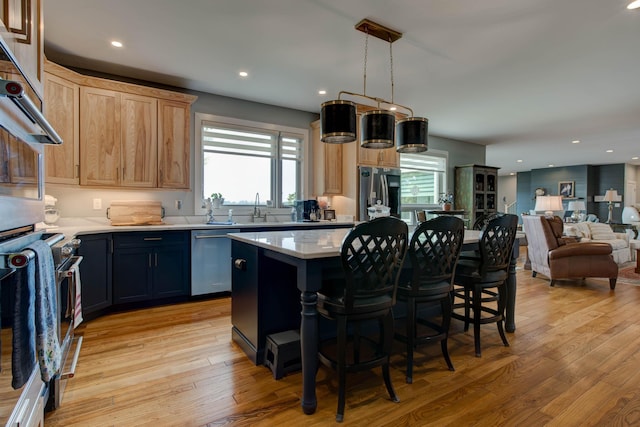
[
  {"x": 257, "y": 216},
  {"x": 256, "y": 209}
]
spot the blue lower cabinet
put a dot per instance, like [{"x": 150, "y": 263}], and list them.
[{"x": 150, "y": 265}]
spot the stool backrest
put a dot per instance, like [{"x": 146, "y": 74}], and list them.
[
  {"x": 372, "y": 256},
  {"x": 496, "y": 243},
  {"x": 434, "y": 250}
]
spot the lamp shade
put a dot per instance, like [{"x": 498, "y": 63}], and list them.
[
  {"x": 338, "y": 122},
  {"x": 548, "y": 204},
  {"x": 411, "y": 135},
  {"x": 576, "y": 206},
  {"x": 377, "y": 128},
  {"x": 611, "y": 196}
]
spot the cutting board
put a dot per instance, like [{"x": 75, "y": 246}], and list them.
[{"x": 135, "y": 212}]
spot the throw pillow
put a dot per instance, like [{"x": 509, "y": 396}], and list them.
[{"x": 600, "y": 231}]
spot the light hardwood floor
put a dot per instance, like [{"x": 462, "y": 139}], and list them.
[{"x": 573, "y": 361}]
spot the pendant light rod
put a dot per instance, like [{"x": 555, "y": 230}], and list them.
[{"x": 377, "y": 100}]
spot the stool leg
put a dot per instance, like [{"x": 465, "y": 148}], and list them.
[
  {"x": 476, "y": 295},
  {"x": 445, "y": 304},
  {"x": 341, "y": 366},
  {"x": 411, "y": 333},
  {"x": 502, "y": 291},
  {"x": 387, "y": 337}
]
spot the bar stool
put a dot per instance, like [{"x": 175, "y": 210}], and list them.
[
  {"x": 481, "y": 282},
  {"x": 433, "y": 253},
  {"x": 372, "y": 255}
]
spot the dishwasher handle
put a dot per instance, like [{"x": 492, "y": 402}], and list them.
[{"x": 240, "y": 264}]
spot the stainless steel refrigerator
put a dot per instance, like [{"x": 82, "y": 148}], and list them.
[{"x": 378, "y": 184}]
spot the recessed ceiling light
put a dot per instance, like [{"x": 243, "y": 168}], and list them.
[
  {"x": 243, "y": 74},
  {"x": 322, "y": 92},
  {"x": 575, "y": 141},
  {"x": 609, "y": 151},
  {"x": 512, "y": 173},
  {"x": 116, "y": 43},
  {"x": 519, "y": 160},
  {"x": 551, "y": 166},
  {"x": 634, "y": 5},
  {"x": 634, "y": 158}
]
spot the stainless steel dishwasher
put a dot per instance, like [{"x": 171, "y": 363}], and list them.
[{"x": 211, "y": 261}]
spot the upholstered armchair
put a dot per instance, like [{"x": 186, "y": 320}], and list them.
[{"x": 553, "y": 257}]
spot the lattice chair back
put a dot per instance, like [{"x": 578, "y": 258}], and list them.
[
  {"x": 434, "y": 250},
  {"x": 496, "y": 243},
  {"x": 372, "y": 257}
]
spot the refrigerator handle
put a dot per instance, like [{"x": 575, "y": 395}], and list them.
[{"x": 384, "y": 190}]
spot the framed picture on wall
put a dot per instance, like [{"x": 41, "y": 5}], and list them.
[{"x": 566, "y": 189}]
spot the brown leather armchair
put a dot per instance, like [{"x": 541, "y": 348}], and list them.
[{"x": 552, "y": 256}]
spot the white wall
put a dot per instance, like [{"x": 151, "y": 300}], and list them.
[{"x": 507, "y": 190}]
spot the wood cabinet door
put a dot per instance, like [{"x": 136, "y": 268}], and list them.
[
  {"x": 61, "y": 108},
  {"x": 139, "y": 123},
  {"x": 100, "y": 136},
  {"x": 173, "y": 144},
  {"x": 23, "y": 163},
  {"x": 332, "y": 168}
]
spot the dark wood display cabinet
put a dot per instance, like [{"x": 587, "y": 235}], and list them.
[
  {"x": 150, "y": 265},
  {"x": 476, "y": 190}
]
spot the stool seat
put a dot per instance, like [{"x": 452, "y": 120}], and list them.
[{"x": 282, "y": 353}]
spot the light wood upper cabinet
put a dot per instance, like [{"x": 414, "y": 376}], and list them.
[
  {"x": 100, "y": 137},
  {"x": 61, "y": 108},
  {"x": 173, "y": 144},
  {"x": 139, "y": 150},
  {"x": 387, "y": 157},
  {"x": 23, "y": 22},
  {"x": 327, "y": 164},
  {"x": 127, "y": 135}
]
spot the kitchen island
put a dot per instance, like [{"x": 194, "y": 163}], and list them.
[{"x": 269, "y": 266}]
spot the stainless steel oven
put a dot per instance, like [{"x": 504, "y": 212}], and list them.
[
  {"x": 17, "y": 404},
  {"x": 23, "y": 131}
]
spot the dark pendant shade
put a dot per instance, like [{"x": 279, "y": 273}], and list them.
[
  {"x": 377, "y": 128},
  {"x": 411, "y": 135},
  {"x": 338, "y": 122}
]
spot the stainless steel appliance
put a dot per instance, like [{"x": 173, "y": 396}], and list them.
[
  {"x": 378, "y": 184},
  {"x": 23, "y": 131},
  {"x": 211, "y": 261},
  {"x": 14, "y": 256}
]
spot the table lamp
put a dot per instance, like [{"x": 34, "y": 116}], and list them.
[
  {"x": 548, "y": 204},
  {"x": 611, "y": 196},
  {"x": 577, "y": 207}
]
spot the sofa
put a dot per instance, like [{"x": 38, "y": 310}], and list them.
[
  {"x": 558, "y": 257},
  {"x": 601, "y": 232}
]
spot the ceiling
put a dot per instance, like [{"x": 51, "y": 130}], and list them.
[{"x": 523, "y": 77}]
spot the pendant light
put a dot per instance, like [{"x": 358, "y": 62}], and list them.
[{"x": 378, "y": 128}]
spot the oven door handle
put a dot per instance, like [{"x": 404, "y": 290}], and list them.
[
  {"x": 72, "y": 371},
  {"x": 77, "y": 259}
]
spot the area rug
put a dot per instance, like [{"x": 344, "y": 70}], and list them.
[{"x": 628, "y": 275}]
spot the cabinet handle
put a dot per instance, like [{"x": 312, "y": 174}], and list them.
[
  {"x": 152, "y": 238},
  {"x": 77, "y": 171},
  {"x": 156, "y": 255},
  {"x": 149, "y": 260},
  {"x": 240, "y": 264}
]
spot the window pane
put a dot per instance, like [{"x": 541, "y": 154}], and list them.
[
  {"x": 289, "y": 182},
  {"x": 237, "y": 177}
]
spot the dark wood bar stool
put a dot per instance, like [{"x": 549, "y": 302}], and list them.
[
  {"x": 433, "y": 253},
  {"x": 372, "y": 255},
  {"x": 481, "y": 282}
]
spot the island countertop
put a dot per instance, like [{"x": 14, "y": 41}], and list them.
[{"x": 310, "y": 244}]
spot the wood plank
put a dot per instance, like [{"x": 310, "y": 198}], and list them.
[{"x": 572, "y": 361}]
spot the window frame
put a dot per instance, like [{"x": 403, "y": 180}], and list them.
[
  {"x": 276, "y": 181},
  {"x": 411, "y": 208}
]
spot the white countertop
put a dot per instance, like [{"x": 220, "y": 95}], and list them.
[
  {"x": 93, "y": 225},
  {"x": 310, "y": 244}
]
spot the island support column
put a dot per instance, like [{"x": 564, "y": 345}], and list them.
[{"x": 309, "y": 282}]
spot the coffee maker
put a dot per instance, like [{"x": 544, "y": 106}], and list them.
[{"x": 307, "y": 210}]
